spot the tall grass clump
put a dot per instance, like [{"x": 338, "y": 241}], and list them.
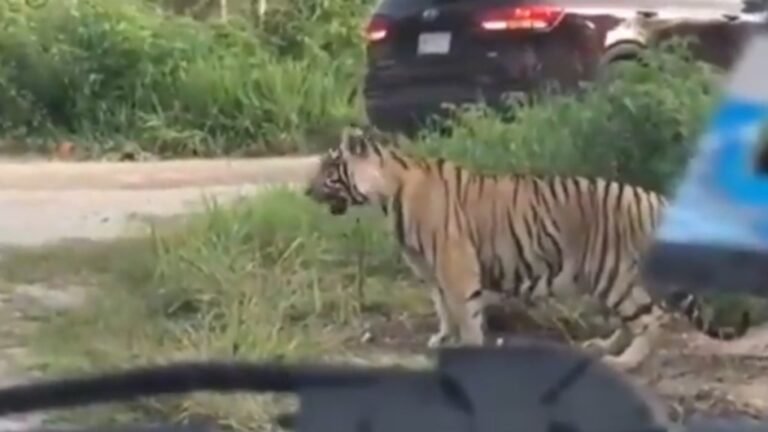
[
  {"x": 109, "y": 74},
  {"x": 270, "y": 278},
  {"x": 639, "y": 126}
]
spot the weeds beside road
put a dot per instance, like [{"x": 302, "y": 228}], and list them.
[
  {"x": 247, "y": 270},
  {"x": 121, "y": 76}
]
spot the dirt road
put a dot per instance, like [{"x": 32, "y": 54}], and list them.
[{"x": 43, "y": 202}]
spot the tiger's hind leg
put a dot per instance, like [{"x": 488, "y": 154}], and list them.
[
  {"x": 570, "y": 281},
  {"x": 644, "y": 327},
  {"x": 613, "y": 344},
  {"x": 618, "y": 340},
  {"x": 644, "y": 332},
  {"x": 641, "y": 318}
]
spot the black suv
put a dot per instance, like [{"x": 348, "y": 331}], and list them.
[{"x": 424, "y": 53}]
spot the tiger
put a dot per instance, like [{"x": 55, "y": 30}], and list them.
[{"x": 479, "y": 239}]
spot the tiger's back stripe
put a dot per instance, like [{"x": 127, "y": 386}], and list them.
[
  {"x": 447, "y": 197},
  {"x": 398, "y": 159},
  {"x": 602, "y": 232},
  {"x": 613, "y": 273},
  {"x": 635, "y": 214},
  {"x": 435, "y": 248},
  {"x": 376, "y": 149},
  {"x": 397, "y": 213},
  {"x": 458, "y": 192},
  {"x": 527, "y": 268}
]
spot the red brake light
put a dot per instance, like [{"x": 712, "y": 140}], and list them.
[
  {"x": 535, "y": 17},
  {"x": 377, "y": 29}
]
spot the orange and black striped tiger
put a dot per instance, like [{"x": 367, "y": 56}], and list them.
[{"x": 480, "y": 238}]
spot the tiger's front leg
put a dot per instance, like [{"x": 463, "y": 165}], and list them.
[
  {"x": 458, "y": 276},
  {"x": 446, "y": 327},
  {"x": 446, "y": 330}
]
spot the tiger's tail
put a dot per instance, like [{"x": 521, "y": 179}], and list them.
[{"x": 693, "y": 309}]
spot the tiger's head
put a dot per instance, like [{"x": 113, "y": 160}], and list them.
[{"x": 351, "y": 173}]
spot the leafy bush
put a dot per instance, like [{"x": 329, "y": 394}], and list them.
[
  {"x": 297, "y": 28},
  {"x": 638, "y": 127},
  {"x": 109, "y": 73}
]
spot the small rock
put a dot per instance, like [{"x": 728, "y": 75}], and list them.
[
  {"x": 21, "y": 423},
  {"x": 54, "y": 299},
  {"x": 367, "y": 337},
  {"x": 65, "y": 150}
]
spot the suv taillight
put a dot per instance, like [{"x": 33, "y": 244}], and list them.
[
  {"x": 534, "y": 17},
  {"x": 377, "y": 29}
]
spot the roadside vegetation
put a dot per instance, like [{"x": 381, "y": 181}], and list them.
[
  {"x": 275, "y": 276},
  {"x": 133, "y": 76},
  {"x": 169, "y": 78},
  {"x": 639, "y": 127}
]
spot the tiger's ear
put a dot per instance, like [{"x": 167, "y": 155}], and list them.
[
  {"x": 381, "y": 138},
  {"x": 360, "y": 140},
  {"x": 391, "y": 139},
  {"x": 353, "y": 141}
]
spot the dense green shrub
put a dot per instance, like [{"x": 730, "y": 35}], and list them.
[
  {"x": 300, "y": 27},
  {"x": 111, "y": 72},
  {"x": 290, "y": 26},
  {"x": 639, "y": 126}
]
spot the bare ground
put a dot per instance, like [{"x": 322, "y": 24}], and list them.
[
  {"x": 44, "y": 202},
  {"x": 691, "y": 372},
  {"x": 47, "y": 202}
]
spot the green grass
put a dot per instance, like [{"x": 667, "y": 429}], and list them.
[
  {"x": 274, "y": 277},
  {"x": 112, "y": 77}
]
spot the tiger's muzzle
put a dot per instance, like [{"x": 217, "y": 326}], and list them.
[{"x": 337, "y": 204}]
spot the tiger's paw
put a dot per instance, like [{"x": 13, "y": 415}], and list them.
[
  {"x": 621, "y": 364},
  {"x": 613, "y": 344},
  {"x": 438, "y": 340},
  {"x": 596, "y": 346},
  {"x": 624, "y": 363}
]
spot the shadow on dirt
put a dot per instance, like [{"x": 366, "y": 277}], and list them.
[{"x": 692, "y": 373}]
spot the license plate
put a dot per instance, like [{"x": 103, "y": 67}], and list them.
[{"x": 434, "y": 43}]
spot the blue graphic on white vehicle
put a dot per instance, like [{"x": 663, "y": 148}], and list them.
[{"x": 723, "y": 199}]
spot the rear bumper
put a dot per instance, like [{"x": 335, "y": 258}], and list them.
[{"x": 405, "y": 109}]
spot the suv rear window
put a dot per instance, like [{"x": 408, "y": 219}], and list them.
[
  {"x": 401, "y": 7},
  {"x": 398, "y": 7}
]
